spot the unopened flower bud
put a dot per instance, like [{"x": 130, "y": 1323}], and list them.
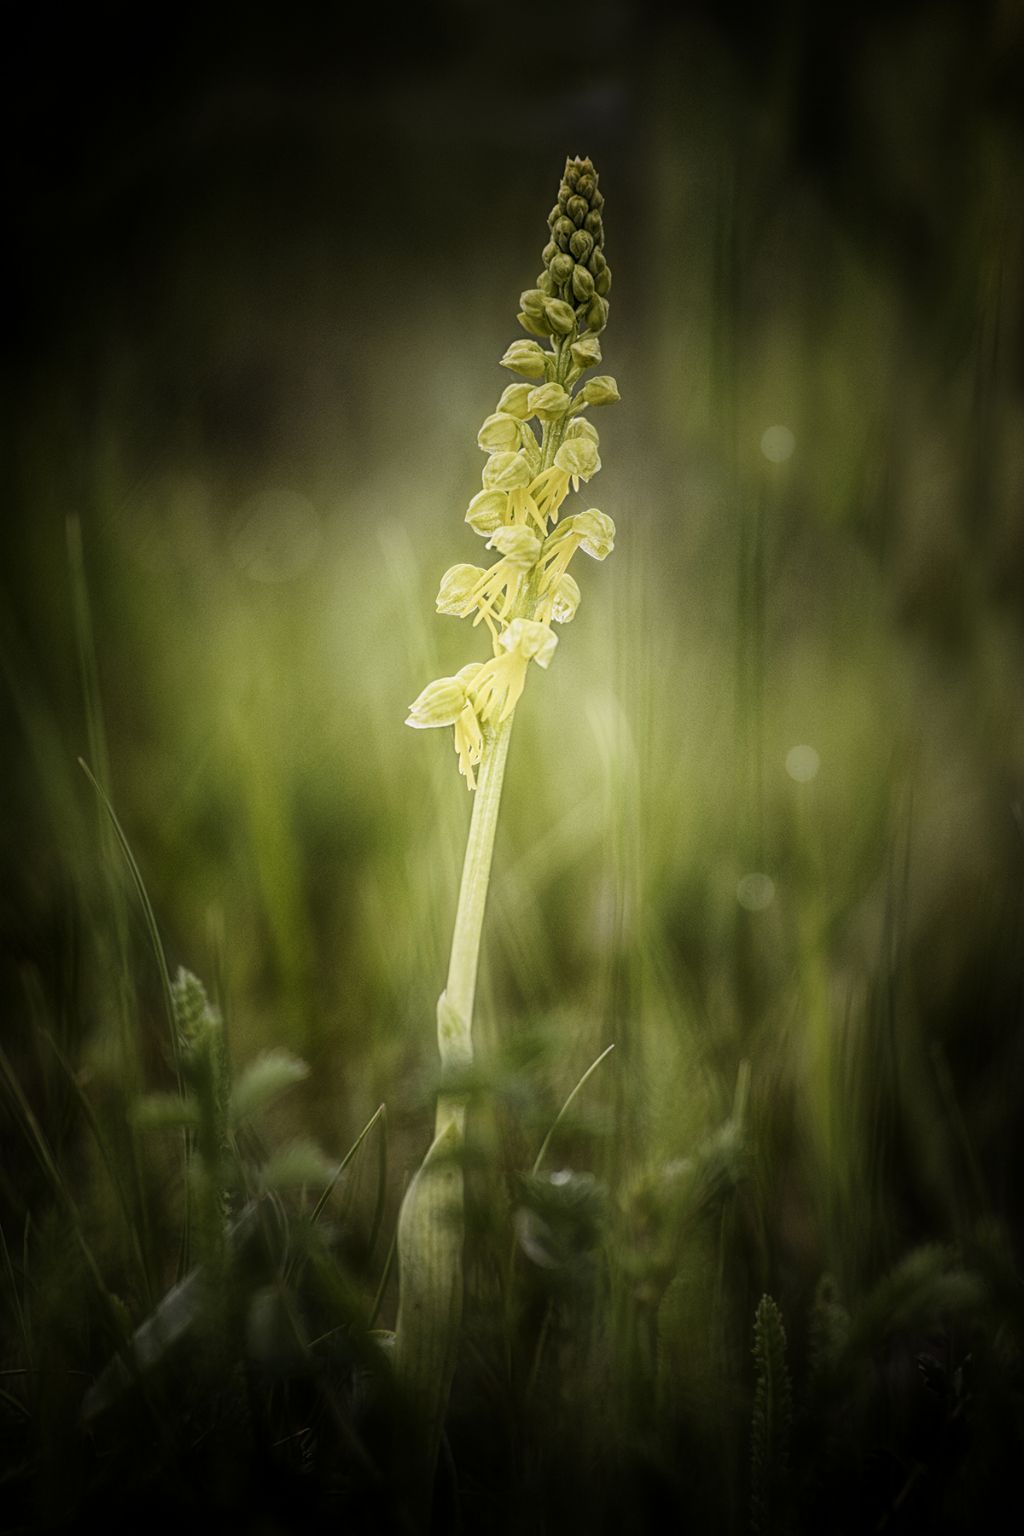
[
  {"x": 527, "y": 358},
  {"x": 586, "y": 353},
  {"x": 546, "y": 283},
  {"x": 597, "y": 314},
  {"x": 596, "y": 533},
  {"x": 603, "y": 281},
  {"x": 594, "y": 226},
  {"x": 536, "y": 642},
  {"x": 499, "y": 432},
  {"x": 597, "y": 262},
  {"x": 536, "y": 325},
  {"x": 513, "y": 401},
  {"x": 518, "y": 545},
  {"x": 488, "y": 510},
  {"x": 560, "y": 316},
  {"x": 440, "y": 703},
  {"x": 548, "y": 401},
  {"x": 549, "y": 253},
  {"x": 532, "y": 301},
  {"x": 454, "y": 595},
  {"x": 579, "y": 457},
  {"x": 562, "y": 229},
  {"x": 566, "y": 599},
  {"x": 582, "y": 283},
  {"x": 561, "y": 269},
  {"x": 586, "y": 186},
  {"x": 600, "y": 390},
  {"x": 554, "y": 216},
  {"x": 506, "y": 472},
  {"x": 581, "y": 427},
  {"x": 576, "y": 209},
  {"x": 581, "y": 245}
]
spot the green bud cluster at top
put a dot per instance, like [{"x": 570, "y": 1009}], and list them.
[
  {"x": 572, "y": 292},
  {"x": 527, "y": 477}
]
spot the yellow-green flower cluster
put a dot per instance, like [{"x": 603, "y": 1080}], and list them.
[{"x": 538, "y": 442}]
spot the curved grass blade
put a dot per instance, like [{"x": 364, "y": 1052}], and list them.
[
  {"x": 567, "y": 1106},
  {"x": 379, "y": 1112},
  {"x": 144, "y": 901}
]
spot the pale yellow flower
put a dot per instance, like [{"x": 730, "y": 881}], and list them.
[
  {"x": 497, "y": 687},
  {"x": 592, "y": 531}
]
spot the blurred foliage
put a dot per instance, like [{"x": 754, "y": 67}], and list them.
[{"x": 766, "y": 806}]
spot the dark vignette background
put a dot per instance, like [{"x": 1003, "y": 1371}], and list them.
[{"x": 250, "y": 247}]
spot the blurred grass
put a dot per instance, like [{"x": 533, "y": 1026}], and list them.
[{"x": 265, "y": 434}]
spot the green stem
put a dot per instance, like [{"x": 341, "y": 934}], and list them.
[{"x": 455, "y": 1022}]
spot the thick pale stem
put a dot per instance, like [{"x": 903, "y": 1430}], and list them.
[{"x": 455, "y": 1019}]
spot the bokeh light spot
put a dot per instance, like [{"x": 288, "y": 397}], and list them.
[
  {"x": 777, "y": 444},
  {"x": 755, "y": 891},
  {"x": 802, "y": 764}
]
